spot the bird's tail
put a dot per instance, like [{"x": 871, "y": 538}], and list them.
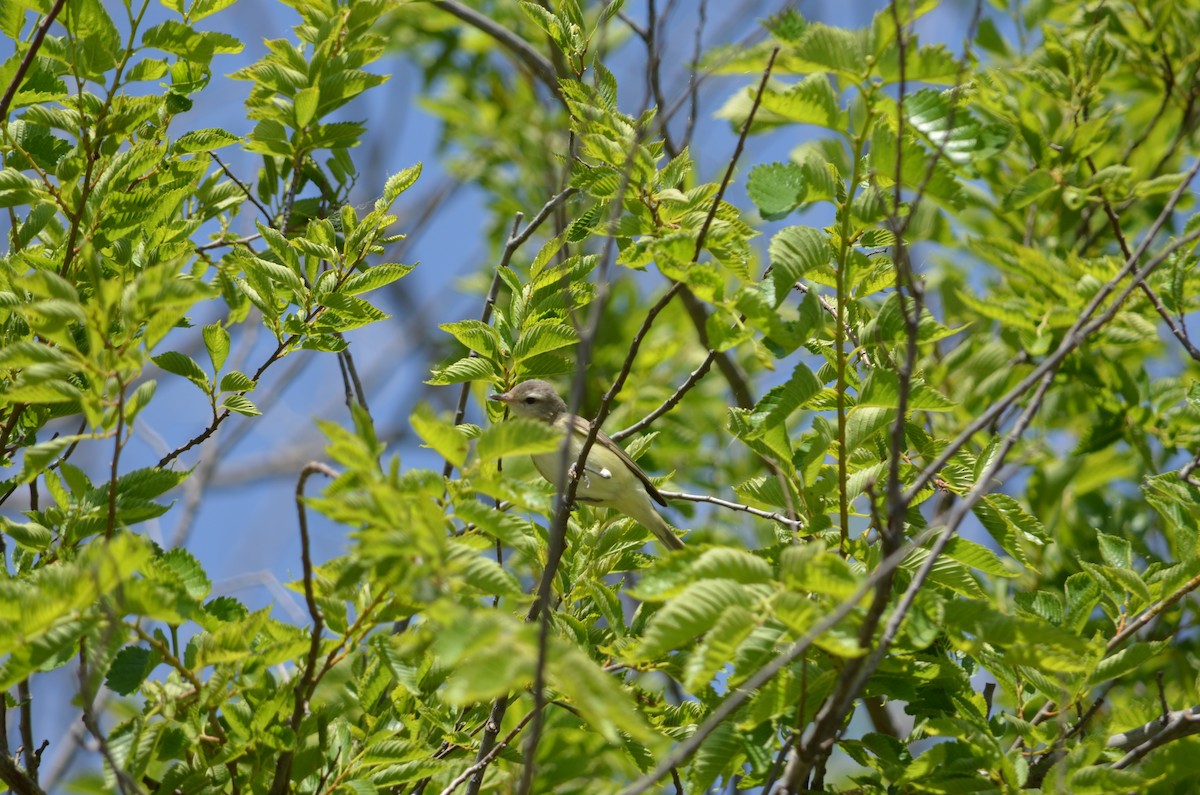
[{"x": 645, "y": 514}]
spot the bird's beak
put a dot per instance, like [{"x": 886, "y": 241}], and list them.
[{"x": 501, "y": 398}]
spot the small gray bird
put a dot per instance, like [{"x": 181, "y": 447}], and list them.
[{"x": 610, "y": 478}]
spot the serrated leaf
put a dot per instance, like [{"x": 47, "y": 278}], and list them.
[
  {"x": 216, "y": 342},
  {"x": 183, "y": 365},
  {"x": 600, "y": 699},
  {"x": 397, "y": 184},
  {"x": 128, "y": 670},
  {"x": 475, "y": 335},
  {"x": 240, "y": 404},
  {"x": 439, "y": 435},
  {"x": 482, "y": 574},
  {"x": 795, "y": 251},
  {"x": 23, "y": 353},
  {"x": 776, "y": 188},
  {"x": 205, "y": 140},
  {"x": 518, "y": 436},
  {"x": 30, "y": 535},
  {"x": 375, "y": 277},
  {"x": 236, "y": 382},
  {"x": 149, "y": 482},
  {"x": 471, "y": 368},
  {"x": 882, "y": 388},
  {"x": 186, "y": 570},
  {"x": 691, "y": 613},
  {"x": 778, "y": 404},
  {"x": 542, "y": 337}
]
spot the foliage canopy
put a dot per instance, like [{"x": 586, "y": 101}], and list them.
[{"x": 934, "y": 382}]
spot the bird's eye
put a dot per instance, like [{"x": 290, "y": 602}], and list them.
[{"x": 529, "y": 401}]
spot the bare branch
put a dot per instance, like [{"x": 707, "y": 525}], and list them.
[
  {"x": 792, "y": 524},
  {"x": 35, "y": 44},
  {"x": 241, "y": 185},
  {"x": 306, "y": 683},
  {"x": 537, "y": 63},
  {"x": 486, "y": 759},
  {"x": 670, "y": 402}
]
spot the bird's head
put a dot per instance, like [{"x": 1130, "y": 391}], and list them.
[{"x": 534, "y": 400}]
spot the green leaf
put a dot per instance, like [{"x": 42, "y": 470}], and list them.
[
  {"x": 1115, "y": 551},
  {"x": 475, "y": 336},
  {"x": 179, "y": 39},
  {"x": 205, "y": 140},
  {"x": 439, "y": 435},
  {"x": 776, "y": 188},
  {"x": 237, "y": 382},
  {"x": 149, "y": 482},
  {"x": 542, "y": 337},
  {"x": 240, "y": 404},
  {"x": 810, "y": 568},
  {"x": 305, "y": 105},
  {"x": 129, "y": 669},
  {"x": 687, "y": 616},
  {"x": 1032, "y": 187},
  {"x": 795, "y": 251},
  {"x": 978, "y": 557},
  {"x": 951, "y": 129},
  {"x": 39, "y": 456},
  {"x": 718, "y": 647},
  {"x": 882, "y": 388},
  {"x": 375, "y": 277},
  {"x": 517, "y": 436},
  {"x": 186, "y": 570},
  {"x": 16, "y": 188},
  {"x": 23, "y": 353},
  {"x": 484, "y": 575},
  {"x": 811, "y": 101},
  {"x": 204, "y": 8},
  {"x": 216, "y": 342},
  {"x": 397, "y": 184},
  {"x": 183, "y": 365},
  {"x": 778, "y": 404},
  {"x": 30, "y": 535},
  {"x": 471, "y": 368},
  {"x": 600, "y": 699}
]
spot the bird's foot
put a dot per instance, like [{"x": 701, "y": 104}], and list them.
[{"x": 574, "y": 473}]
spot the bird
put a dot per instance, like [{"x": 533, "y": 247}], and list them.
[{"x": 610, "y": 477}]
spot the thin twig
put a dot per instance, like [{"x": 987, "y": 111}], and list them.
[
  {"x": 244, "y": 188},
  {"x": 35, "y": 44},
  {"x": 307, "y": 681},
  {"x": 793, "y": 524},
  {"x": 241, "y": 241},
  {"x": 538, "y": 64},
  {"x": 670, "y": 402},
  {"x": 483, "y": 761}
]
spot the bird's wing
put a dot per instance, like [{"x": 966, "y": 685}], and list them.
[{"x": 581, "y": 427}]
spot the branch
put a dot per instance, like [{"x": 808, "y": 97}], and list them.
[
  {"x": 670, "y": 402},
  {"x": 35, "y": 44},
  {"x": 1154, "y": 734},
  {"x": 485, "y": 759},
  {"x": 244, "y": 188},
  {"x": 793, "y": 524},
  {"x": 307, "y": 681},
  {"x": 16, "y": 779},
  {"x": 537, "y": 63}
]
